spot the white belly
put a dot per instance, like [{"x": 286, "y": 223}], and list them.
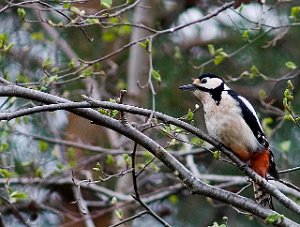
[
  {"x": 233, "y": 133},
  {"x": 226, "y": 124}
]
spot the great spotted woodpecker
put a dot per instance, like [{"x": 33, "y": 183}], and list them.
[{"x": 231, "y": 119}]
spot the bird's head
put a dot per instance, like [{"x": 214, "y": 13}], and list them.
[{"x": 206, "y": 84}]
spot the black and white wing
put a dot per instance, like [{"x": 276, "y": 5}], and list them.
[{"x": 251, "y": 118}]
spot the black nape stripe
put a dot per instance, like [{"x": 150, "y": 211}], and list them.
[{"x": 214, "y": 92}]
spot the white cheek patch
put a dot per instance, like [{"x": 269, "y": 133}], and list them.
[{"x": 212, "y": 83}]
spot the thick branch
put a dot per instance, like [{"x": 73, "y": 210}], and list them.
[{"x": 184, "y": 174}]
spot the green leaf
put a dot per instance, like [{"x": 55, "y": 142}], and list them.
[
  {"x": 290, "y": 85},
  {"x": 173, "y": 142},
  {"x": 106, "y": 3},
  {"x": 67, "y": 5},
  {"x": 43, "y": 145},
  {"x": 176, "y": 129},
  {"x": 173, "y": 199},
  {"x": 154, "y": 167},
  {"x": 124, "y": 30},
  {"x": 3, "y": 42},
  {"x": 110, "y": 160},
  {"x": 98, "y": 167},
  {"x": 92, "y": 21},
  {"x": 52, "y": 79},
  {"x": 87, "y": 72},
  {"x": 219, "y": 59},
  {"x": 220, "y": 51},
  {"x": 288, "y": 95},
  {"x": 75, "y": 10},
  {"x": 289, "y": 117},
  {"x": 8, "y": 47},
  {"x": 4, "y": 173},
  {"x": 127, "y": 160},
  {"x": 177, "y": 53},
  {"x": 103, "y": 111},
  {"x": 295, "y": 12},
  {"x": 4, "y": 146},
  {"x": 145, "y": 44},
  {"x": 47, "y": 62},
  {"x": 156, "y": 76},
  {"x": 60, "y": 166},
  {"x": 217, "y": 155},
  {"x": 71, "y": 157},
  {"x": 246, "y": 35},
  {"x": 285, "y": 145},
  {"x": 290, "y": 65},
  {"x": 262, "y": 94},
  {"x": 16, "y": 196},
  {"x": 196, "y": 141},
  {"x": 114, "y": 113},
  {"x": 190, "y": 115},
  {"x": 109, "y": 36},
  {"x": 126, "y": 157},
  {"x": 25, "y": 119},
  {"x": 266, "y": 123},
  {"x": 119, "y": 214},
  {"x": 211, "y": 49},
  {"x": 38, "y": 173},
  {"x": 38, "y": 36},
  {"x": 114, "y": 201},
  {"x": 147, "y": 156},
  {"x": 254, "y": 71},
  {"x": 274, "y": 218},
  {"x": 3, "y": 37},
  {"x": 167, "y": 129},
  {"x": 285, "y": 103},
  {"x": 72, "y": 63},
  {"x": 21, "y": 13},
  {"x": 54, "y": 70}
]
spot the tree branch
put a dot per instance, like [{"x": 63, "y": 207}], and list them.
[{"x": 184, "y": 174}]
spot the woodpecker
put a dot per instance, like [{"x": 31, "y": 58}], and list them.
[{"x": 232, "y": 120}]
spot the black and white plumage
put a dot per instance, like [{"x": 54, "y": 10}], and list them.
[{"x": 232, "y": 120}]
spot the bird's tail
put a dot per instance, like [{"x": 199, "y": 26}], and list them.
[{"x": 262, "y": 197}]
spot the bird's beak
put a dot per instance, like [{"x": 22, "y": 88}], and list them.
[{"x": 188, "y": 87}]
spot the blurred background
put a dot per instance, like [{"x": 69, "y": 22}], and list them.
[{"x": 97, "y": 48}]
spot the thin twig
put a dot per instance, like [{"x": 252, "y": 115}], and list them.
[
  {"x": 137, "y": 194},
  {"x": 130, "y": 218},
  {"x": 15, "y": 211},
  {"x": 289, "y": 170}
]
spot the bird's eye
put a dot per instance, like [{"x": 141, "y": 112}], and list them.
[{"x": 203, "y": 81}]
